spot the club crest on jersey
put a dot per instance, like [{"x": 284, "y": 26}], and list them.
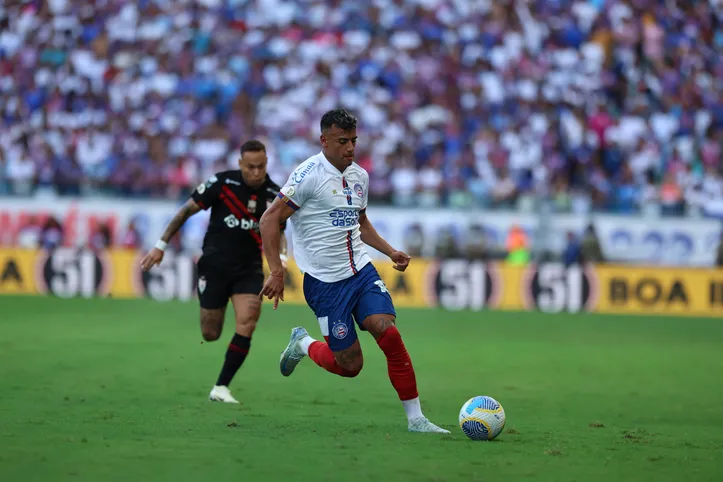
[
  {"x": 252, "y": 204},
  {"x": 339, "y": 330},
  {"x": 358, "y": 190},
  {"x": 201, "y": 284}
]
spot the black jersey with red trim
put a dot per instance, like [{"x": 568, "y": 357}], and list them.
[{"x": 233, "y": 237}]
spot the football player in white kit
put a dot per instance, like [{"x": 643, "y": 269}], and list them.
[{"x": 327, "y": 197}]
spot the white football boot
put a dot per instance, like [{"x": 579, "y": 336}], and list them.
[
  {"x": 220, "y": 393},
  {"x": 421, "y": 424},
  {"x": 293, "y": 354}
]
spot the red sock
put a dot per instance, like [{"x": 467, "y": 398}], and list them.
[
  {"x": 401, "y": 371},
  {"x": 322, "y": 356}
]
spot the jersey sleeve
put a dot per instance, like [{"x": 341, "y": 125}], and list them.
[
  {"x": 299, "y": 188},
  {"x": 365, "y": 194},
  {"x": 206, "y": 193}
]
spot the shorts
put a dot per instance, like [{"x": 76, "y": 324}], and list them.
[
  {"x": 335, "y": 304},
  {"x": 216, "y": 283}
]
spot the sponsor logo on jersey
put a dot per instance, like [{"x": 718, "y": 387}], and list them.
[
  {"x": 301, "y": 173},
  {"x": 231, "y": 221},
  {"x": 344, "y": 217},
  {"x": 245, "y": 224}
]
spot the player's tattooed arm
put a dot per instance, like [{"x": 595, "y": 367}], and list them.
[{"x": 184, "y": 212}]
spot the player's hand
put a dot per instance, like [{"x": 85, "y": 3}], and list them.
[
  {"x": 154, "y": 257},
  {"x": 273, "y": 288},
  {"x": 401, "y": 260}
]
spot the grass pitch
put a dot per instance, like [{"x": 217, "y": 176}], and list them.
[{"x": 115, "y": 390}]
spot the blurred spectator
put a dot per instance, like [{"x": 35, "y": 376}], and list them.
[
  {"x": 101, "y": 238},
  {"x": 29, "y": 235},
  {"x": 590, "y": 248},
  {"x": 132, "y": 238},
  {"x": 612, "y": 106},
  {"x": 415, "y": 240},
  {"x": 719, "y": 258},
  {"x": 573, "y": 250},
  {"x": 518, "y": 246},
  {"x": 476, "y": 246},
  {"x": 51, "y": 235},
  {"x": 447, "y": 246}
]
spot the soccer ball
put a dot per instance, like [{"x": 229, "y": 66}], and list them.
[{"x": 482, "y": 418}]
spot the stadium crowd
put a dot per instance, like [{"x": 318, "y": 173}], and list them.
[{"x": 591, "y": 104}]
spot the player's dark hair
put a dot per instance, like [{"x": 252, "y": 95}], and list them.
[
  {"x": 252, "y": 146},
  {"x": 340, "y": 118}
]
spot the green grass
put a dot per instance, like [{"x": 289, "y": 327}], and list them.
[{"x": 110, "y": 390}]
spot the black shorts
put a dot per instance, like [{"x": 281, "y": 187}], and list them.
[{"x": 216, "y": 283}]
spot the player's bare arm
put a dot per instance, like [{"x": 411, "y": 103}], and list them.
[
  {"x": 283, "y": 250},
  {"x": 155, "y": 255},
  {"x": 371, "y": 237},
  {"x": 270, "y": 227}
]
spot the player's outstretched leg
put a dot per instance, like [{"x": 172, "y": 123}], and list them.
[
  {"x": 401, "y": 371},
  {"x": 248, "y": 309},
  {"x": 301, "y": 345}
]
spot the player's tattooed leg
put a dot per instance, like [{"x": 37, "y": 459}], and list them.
[
  {"x": 212, "y": 323},
  {"x": 378, "y": 324},
  {"x": 351, "y": 359}
]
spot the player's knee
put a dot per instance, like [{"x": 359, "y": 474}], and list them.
[
  {"x": 351, "y": 362},
  {"x": 245, "y": 325},
  {"x": 212, "y": 323},
  {"x": 353, "y": 369},
  {"x": 210, "y": 333},
  {"x": 378, "y": 325}
]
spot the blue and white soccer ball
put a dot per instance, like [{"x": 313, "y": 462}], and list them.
[{"x": 482, "y": 418}]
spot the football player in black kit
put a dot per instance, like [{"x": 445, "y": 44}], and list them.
[{"x": 231, "y": 263}]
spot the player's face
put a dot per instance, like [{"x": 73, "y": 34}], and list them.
[
  {"x": 253, "y": 168},
  {"x": 339, "y": 146}
]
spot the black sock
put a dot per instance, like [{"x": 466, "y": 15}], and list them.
[{"x": 235, "y": 356}]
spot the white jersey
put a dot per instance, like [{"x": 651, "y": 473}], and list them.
[{"x": 326, "y": 237}]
